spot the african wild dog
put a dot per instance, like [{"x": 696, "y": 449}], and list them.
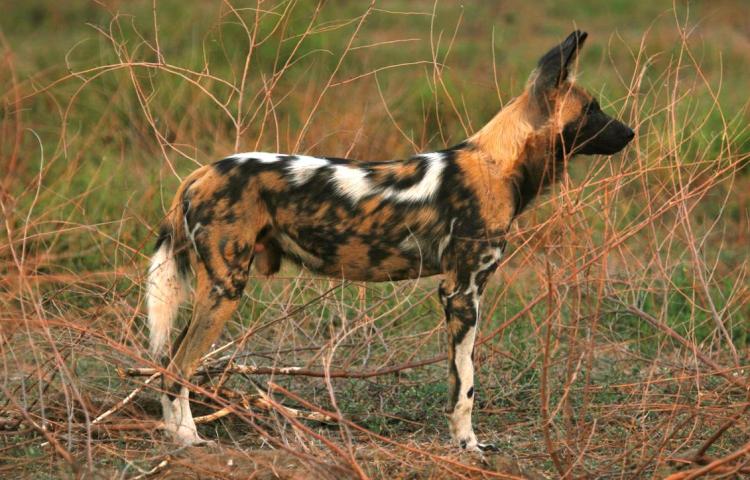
[{"x": 445, "y": 213}]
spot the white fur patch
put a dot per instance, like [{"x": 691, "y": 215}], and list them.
[
  {"x": 460, "y": 418},
  {"x": 351, "y": 182},
  {"x": 446, "y": 240},
  {"x": 427, "y": 187},
  {"x": 262, "y": 157},
  {"x": 178, "y": 419},
  {"x": 464, "y": 364},
  {"x": 166, "y": 290},
  {"x": 303, "y": 167},
  {"x": 494, "y": 256}
]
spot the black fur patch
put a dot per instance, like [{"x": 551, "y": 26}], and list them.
[
  {"x": 166, "y": 234},
  {"x": 225, "y": 165}
]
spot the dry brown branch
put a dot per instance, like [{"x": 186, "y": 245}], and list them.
[
  {"x": 295, "y": 371},
  {"x": 125, "y": 400},
  {"x": 716, "y": 466},
  {"x": 716, "y": 368}
]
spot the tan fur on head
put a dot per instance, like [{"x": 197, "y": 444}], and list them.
[{"x": 569, "y": 101}]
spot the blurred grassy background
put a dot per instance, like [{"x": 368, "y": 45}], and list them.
[
  {"x": 106, "y": 104},
  {"x": 96, "y": 137}
]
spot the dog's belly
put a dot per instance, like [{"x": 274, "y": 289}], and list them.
[{"x": 360, "y": 257}]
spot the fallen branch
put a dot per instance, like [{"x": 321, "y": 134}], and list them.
[
  {"x": 260, "y": 401},
  {"x": 125, "y": 400},
  {"x": 148, "y": 473},
  {"x": 119, "y": 405},
  {"x": 295, "y": 371}
]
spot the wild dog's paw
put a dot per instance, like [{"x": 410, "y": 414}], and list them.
[
  {"x": 191, "y": 439},
  {"x": 185, "y": 436},
  {"x": 179, "y": 423}
]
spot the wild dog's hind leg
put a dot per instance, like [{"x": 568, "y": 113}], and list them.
[
  {"x": 460, "y": 293},
  {"x": 220, "y": 280}
]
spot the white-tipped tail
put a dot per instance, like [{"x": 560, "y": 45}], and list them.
[{"x": 166, "y": 291}]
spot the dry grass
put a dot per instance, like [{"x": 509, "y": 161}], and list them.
[{"x": 614, "y": 338}]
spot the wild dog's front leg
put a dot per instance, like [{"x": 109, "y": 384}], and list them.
[
  {"x": 460, "y": 295},
  {"x": 461, "y": 320}
]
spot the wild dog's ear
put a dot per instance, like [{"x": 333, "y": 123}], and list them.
[{"x": 553, "y": 67}]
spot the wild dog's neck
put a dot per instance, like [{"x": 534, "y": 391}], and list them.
[
  {"x": 519, "y": 141},
  {"x": 503, "y": 139},
  {"x": 539, "y": 165}
]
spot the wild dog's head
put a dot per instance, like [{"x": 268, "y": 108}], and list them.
[
  {"x": 574, "y": 116},
  {"x": 552, "y": 120}
]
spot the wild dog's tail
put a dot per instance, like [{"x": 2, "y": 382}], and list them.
[
  {"x": 167, "y": 289},
  {"x": 169, "y": 272}
]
